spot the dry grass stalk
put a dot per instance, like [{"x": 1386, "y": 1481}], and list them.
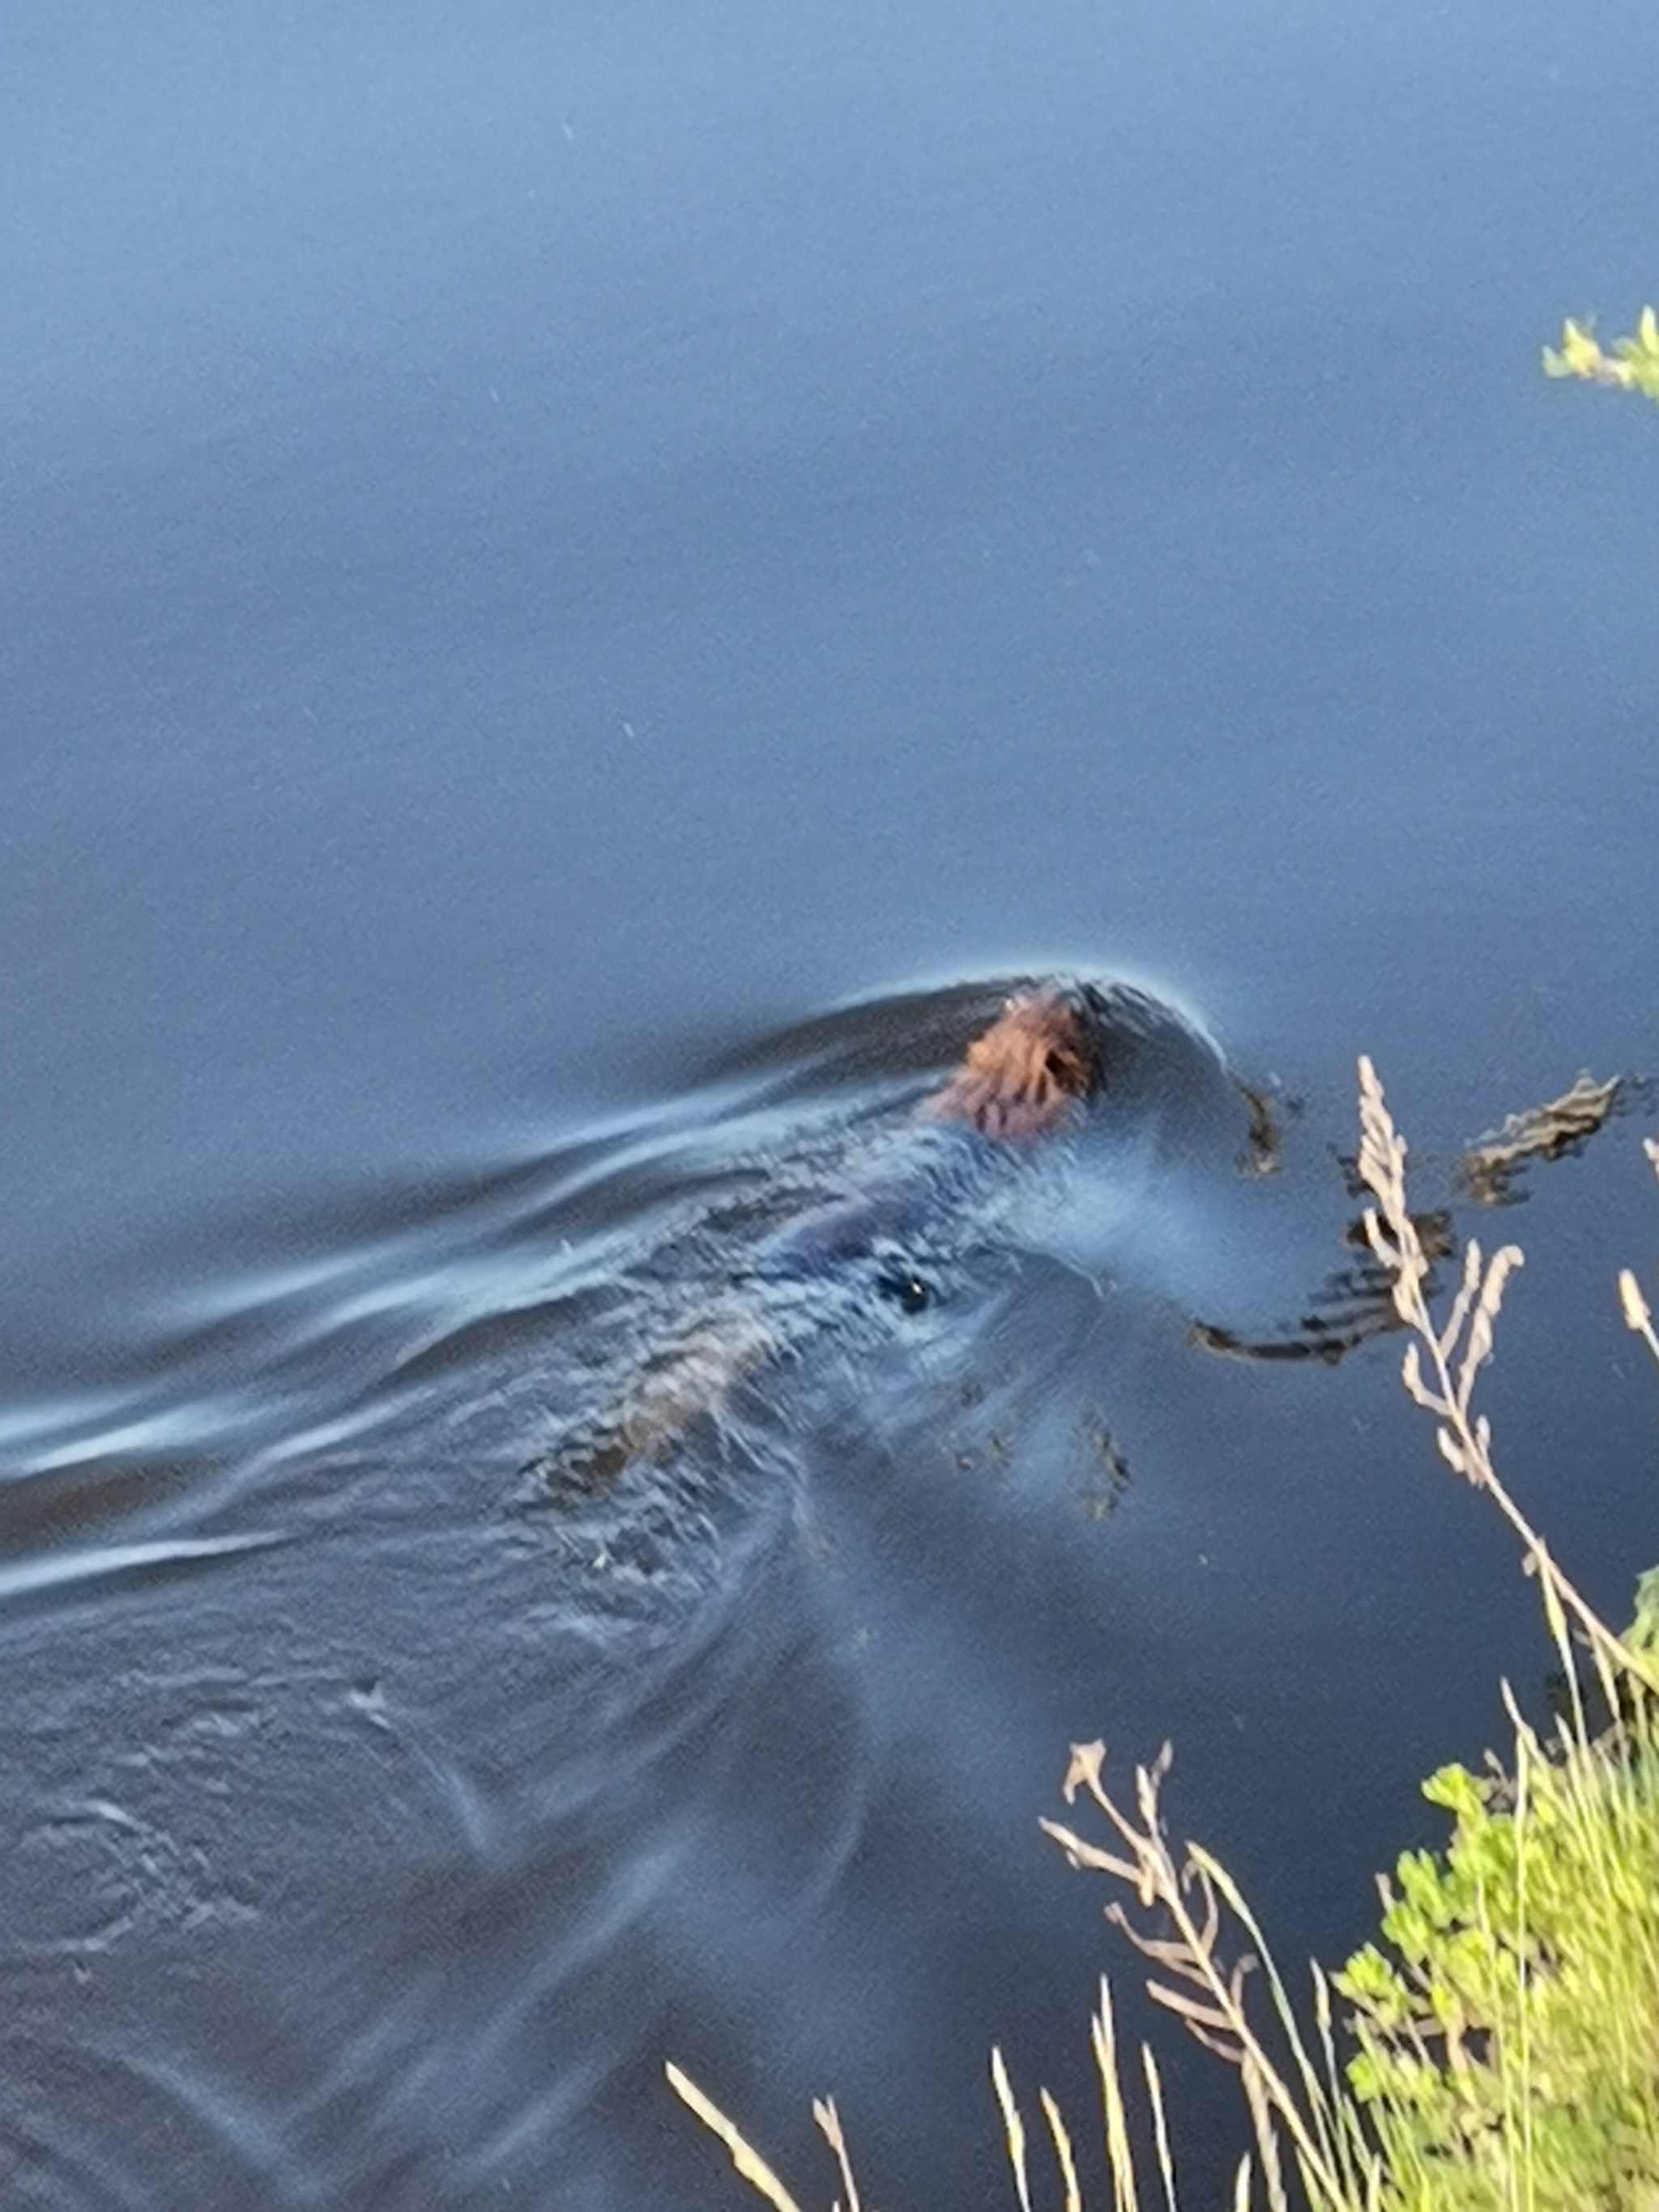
[
  {"x": 750, "y": 2166},
  {"x": 1013, "y": 2128},
  {"x": 1637, "y": 1316},
  {"x": 1155, "y": 2099},
  {"x": 1062, "y": 2152},
  {"x": 754, "y": 2169},
  {"x": 1456, "y": 1352},
  {"x": 828, "y": 2120},
  {"x": 1120, "y": 2156},
  {"x": 1301, "y": 2102}
]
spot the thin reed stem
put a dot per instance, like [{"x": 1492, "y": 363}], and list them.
[{"x": 1455, "y": 1353}]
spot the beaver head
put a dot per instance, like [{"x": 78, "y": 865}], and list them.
[{"x": 1021, "y": 1078}]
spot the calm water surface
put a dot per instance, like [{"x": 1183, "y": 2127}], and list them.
[{"x": 579, "y": 586}]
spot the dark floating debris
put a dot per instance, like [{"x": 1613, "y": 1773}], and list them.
[
  {"x": 1487, "y": 1172},
  {"x": 1356, "y": 1303}
]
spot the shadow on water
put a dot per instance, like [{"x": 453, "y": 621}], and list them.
[{"x": 406, "y": 1753}]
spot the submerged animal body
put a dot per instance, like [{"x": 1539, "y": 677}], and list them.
[{"x": 861, "y": 1226}]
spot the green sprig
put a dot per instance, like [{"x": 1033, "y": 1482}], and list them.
[{"x": 1632, "y": 365}]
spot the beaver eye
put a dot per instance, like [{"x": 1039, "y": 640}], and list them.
[{"x": 906, "y": 1288}]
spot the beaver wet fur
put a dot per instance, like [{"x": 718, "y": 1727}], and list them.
[{"x": 1023, "y": 1078}]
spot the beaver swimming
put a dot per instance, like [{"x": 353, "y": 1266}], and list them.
[
  {"x": 1069, "y": 1122},
  {"x": 880, "y": 1214}
]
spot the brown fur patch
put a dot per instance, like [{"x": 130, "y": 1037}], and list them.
[{"x": 1019, "y": 1079}]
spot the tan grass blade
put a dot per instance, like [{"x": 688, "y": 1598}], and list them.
[
  {"x": 1160, "y": 2128},
  {"x": 1266, "y": 2136},
  {"x": 828, "y": 2120},
  {"x": 1013, "y": 2126},
  {"x": 750, "y": 2166},
  {"x": 1119, "y": 2158},
  {"x": 1638, "y": 1314},
  {"x": 1062, "y": 2152}
]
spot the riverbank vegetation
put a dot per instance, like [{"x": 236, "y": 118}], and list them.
[
  {"x": 1632, "y": 365},
  {"x": 1496, "y": 2049}
]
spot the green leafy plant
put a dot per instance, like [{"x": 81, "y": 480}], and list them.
[
  {"x": 1633, "y": 364},
  {"x": 1509, "y": 2027}
]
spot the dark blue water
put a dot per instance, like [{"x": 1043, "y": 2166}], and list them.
[{"x": 543, "y": 552}]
